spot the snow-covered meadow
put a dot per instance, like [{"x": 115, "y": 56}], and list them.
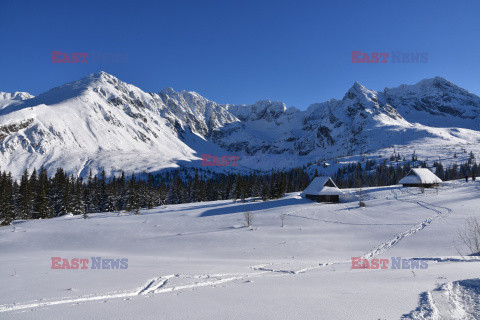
[{"x": 199, "y": 261}]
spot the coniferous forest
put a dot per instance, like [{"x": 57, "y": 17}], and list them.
[
  {"x": 388, "y": 172},
  {"x": 38, "y": 196}
]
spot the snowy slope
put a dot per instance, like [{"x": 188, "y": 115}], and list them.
[
  {"x": 7, "y": 98},
  {"x": 435, "y": 102},
  {"x": 15, "y": 95},
  {"x": 100, "y": 121},
  {"x": 197, "y": 261},
  {"x": 194, "y": 112},
  {"x": 363, "y": 121},
  {"x": 95, "y": 122}
]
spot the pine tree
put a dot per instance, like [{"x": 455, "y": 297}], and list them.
[
  {"x": 78, "y": 205},
  {"x": 102, "y": 192},
  {"x": 202, "y": 191},
  {"x": 24, "y": 197},
  {"x": 175, "y": 192},
  {"x": 150, "y": 196},
  {"x": 265, "y": 189},
  {"x": 217, "y": 194},
  {"x": 257, "y": 187},
  {"x": 42, "y": 203},
  {"x": 7, "y": 205},
  {"x": 194, "y": 187},
  {"x": 32, "y": 191},
  {"x": 121, "y": 192},
  {"x": 133, "y": 202}
]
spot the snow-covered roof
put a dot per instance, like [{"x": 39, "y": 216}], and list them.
[
  {"x": 420, "y": 175},
  {"x": 322, "y": 186}
]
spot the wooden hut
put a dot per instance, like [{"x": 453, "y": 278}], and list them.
[
  {"x": 420, "y": 177},
  {"x": 322, "y": 189}
]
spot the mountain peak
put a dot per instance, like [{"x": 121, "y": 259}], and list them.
[
  {"x": 15, "y": 95},
  {"x": 168, "y": 90},
  {"x": 87, "y": 122},
  {"x": 101, "y": 73},
  {"x": 101, "y": 76},
  {"x": 428, "y": 86},
  {"x": 357, "y": 84},
  {"x": 357, "y": 90},
  {"x": 436, "y": 81},
  {"x": 190, "y": 97},
  {"x": 271, "y": 104},
  {"x": 358, "y": 87}
]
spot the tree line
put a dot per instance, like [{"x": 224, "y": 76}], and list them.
[
  {"x": 37, "y": 196},
  {"x": 370, "y": 173}
]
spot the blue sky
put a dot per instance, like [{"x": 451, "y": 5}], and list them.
[{"x": 298, "y": 52}]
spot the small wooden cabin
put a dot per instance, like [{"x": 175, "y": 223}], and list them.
[
  {"x": 420, "y": 177},
  {"x": 322, "y": 189}
]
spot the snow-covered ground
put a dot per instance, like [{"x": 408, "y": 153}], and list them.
[{"x": 198, "y": 261}]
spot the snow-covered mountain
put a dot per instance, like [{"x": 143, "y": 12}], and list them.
[
  {"x": 15, "y": 96},
  {"x": 192, "y": 111},
  {"x": 102, "y": 122},
  {"x": 363, "y": 121},
  {"x": 7, "y": 99},
  {"x": 95, "y": 122},
  {"x": 435, "y": 102}
]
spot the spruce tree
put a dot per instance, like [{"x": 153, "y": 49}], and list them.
[
  {"x": 42, "y": 203},
  {"x": 265, "y": 189},
  {"x": 7, "y": 205},
  {"x": 32, "y": 190},
  {"x": 24, "y": 197},
  {"x": 78, "y": 205}
]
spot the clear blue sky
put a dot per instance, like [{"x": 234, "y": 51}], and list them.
[{"x": 298, "y": 52}]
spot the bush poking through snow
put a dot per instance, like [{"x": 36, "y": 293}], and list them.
[
  {"x": 248, "y": 218},
  {"x": 362, "y": 204},
  {"x": 470, "y": 237}
]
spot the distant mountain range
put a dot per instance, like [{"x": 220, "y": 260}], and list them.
[{"x": 102, "y": 122}]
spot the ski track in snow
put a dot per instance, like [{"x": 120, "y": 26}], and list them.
[
  {"x": 153, "y": 283},
  {"x": 459, "y": 300},
  {"x": 156, "y": 285},
  {"x": 163, "y": 284},
  {"x": 392, "y": 242},
  {"x": 384, "y": 246},
  {"x": 353, "y": 224}
]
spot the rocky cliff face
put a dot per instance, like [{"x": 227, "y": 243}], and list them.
[{"x": 102, "y": 122}]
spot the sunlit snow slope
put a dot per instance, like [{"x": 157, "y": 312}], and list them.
[{"x": 101, "y": 122}]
